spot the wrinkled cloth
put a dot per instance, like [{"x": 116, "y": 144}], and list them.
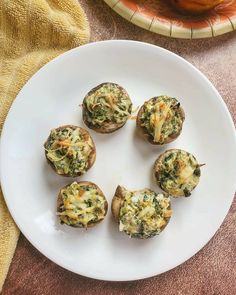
[{"x": 32, "y": 32}]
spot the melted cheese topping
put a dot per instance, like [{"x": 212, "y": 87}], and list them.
[
  {"x": 158, "y": 118},
  {"x": 161, "y": 118},
  {"x": 69, "y": 149},
  {"x": 179, "y": 173},
  {"x": 82, "y": 204},
  {"x": 108, "y": 104},
  {"x": 144, "y": 213}
]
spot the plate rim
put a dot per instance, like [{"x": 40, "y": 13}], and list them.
[
  {"x": 3, "y": 136},
  {"x": 171, "y": 31}
]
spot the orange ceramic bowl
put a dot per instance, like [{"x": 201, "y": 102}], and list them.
[{"x": 159, "y": 16}]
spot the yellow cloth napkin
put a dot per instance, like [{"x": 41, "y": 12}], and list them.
[{"x": 32, "y": 32}]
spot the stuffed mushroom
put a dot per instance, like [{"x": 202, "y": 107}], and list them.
[
  {"x": 106, "y": 108},
  {"x": 81, "y": 204},
  {"x": 177, "y": 172},
  {"x": 142, "y": 213},
  {"x": 70, "y": 150},
  {"x": 160, "y": 119}
]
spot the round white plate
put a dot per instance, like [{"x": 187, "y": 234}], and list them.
[{"x": 52, "y": 98}]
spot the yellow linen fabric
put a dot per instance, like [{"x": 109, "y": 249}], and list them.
[{"x": 32, "y": 32}]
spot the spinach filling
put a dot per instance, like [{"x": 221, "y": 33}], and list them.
[
  {"x": 69, "y": 149},
  {"x": 143, "y": 214},
  {"x": 81, "y": 205},
  {"x": 162, "y": 118},
  {"x": 179, "y": 173},
  {"x": 109, "y": 103}
]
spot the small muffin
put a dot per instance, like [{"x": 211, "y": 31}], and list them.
[
  {"x": 106, "y": 108},
  {"x": 81, "y": 204},
  {"x": 141, "y": 214},
  {"x": 177, "y": 172},
  {"x": 160, "y": 119},
  {"x": 70, "y": 150}
]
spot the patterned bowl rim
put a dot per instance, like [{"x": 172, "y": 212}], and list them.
[{"x": 171, "y": 30}]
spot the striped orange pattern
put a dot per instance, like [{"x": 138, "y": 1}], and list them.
[{"x": 160, "y": 17}]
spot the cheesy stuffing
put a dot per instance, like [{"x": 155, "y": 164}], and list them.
[
  {"x": 81, "y": 204},
  {"x": 109, "y": 103},
  {"x": 178, "y": 173},
  {"x": 144, "y": 213},
  {"x": 161, "y": 118},
  {"x": 69, "y": 149}
]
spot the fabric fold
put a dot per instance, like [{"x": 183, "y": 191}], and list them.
[{"x": 32, "y": 32}]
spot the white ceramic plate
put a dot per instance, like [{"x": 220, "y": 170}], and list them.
[{"x": 52, "y": 97}]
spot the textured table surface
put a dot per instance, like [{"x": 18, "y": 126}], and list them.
[{"x": 212, "y": 271}]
